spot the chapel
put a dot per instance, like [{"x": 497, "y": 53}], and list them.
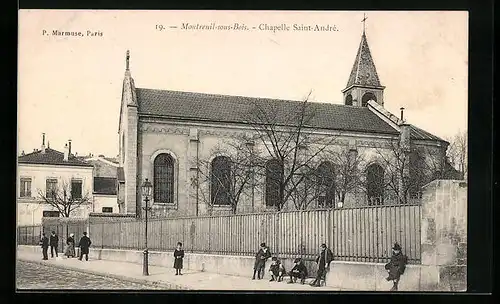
[{"x": 164, "y": 135}]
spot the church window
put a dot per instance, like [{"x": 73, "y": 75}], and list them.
[
  {"x": 274, "y": 177},
  {"x": 375, "y": 184},
  {"x": 368, "y": 96},
  {"x": 325, "y": 180},
  {"x": 220, "y": 187},
  {"x": 164, "y": 179},
  {"x": 348, "y": 100}
]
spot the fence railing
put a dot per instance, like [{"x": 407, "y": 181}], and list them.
[
  {"x": 363, "y": 234},
  {"x": 29, "y": 235}
]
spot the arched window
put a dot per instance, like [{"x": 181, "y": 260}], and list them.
[
  {"x": 375, "y": 184},
  {"x": 274, "y": 176},
  {"x": 348, "y": 100},
  {"x": 164, "y": 179},
  {"x": 368, "y": 96},
  {"x": 325, "y": 180},
  {"x": 417, "y": 175},
  {"x": 220, "y": 183}
]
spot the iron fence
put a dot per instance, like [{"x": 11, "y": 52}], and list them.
[
  {"x": 29, "y": 235},
  {"x": 363, "y": 234}
]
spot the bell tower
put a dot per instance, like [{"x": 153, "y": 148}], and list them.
[{"x": 363, "y": 84}]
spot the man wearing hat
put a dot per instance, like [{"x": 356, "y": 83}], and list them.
[
  {"x": 298, "y": 271},
  {"x": 44, "y": 243},
  {"x": 84, "y": 246},
  {"x": 396, "y": 266},
  {"x": 325, "y": 257},
  {"x": 260, "y": 261}
]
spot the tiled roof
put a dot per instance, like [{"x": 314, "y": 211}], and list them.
[
  {"x": 363, "y": 71},
  {"x": 51, "y": 157},
  {"x": 120, "y": 174},
  {"x": 224, "y": 108},
  {"x": 112, "y": 159},
  {"x": 105, "y": 185},
  {"x": 417, "y": 133}
]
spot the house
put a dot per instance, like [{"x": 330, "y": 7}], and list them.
[
  {"x": 46, "y": 173},
  {"x": 105, "y": 198}
]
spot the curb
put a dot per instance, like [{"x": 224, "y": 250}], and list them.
[{"x": 165, "y": 285}]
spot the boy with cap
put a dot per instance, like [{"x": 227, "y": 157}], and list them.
[
  {"x": 396, "y": 266},
  {"x": 260, "y": 261},
  {"x": 298, "y": 271},
  {"x": 277, "y": 270}
]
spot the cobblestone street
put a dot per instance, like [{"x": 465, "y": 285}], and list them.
[{"x": 36, "y": 276}]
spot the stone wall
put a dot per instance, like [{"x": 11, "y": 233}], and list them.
[{"x": 444, "y": 233}]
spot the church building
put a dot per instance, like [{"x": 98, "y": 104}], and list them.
[{"x": 164, "y": 134}]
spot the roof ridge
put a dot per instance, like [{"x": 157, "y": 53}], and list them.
[{"x": 327, "y": 103}]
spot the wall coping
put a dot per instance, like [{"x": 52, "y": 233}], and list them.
[{"x": 251, "y": 257}]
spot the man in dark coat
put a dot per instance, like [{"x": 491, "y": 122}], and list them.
[
  {"x": 298, "y": 271},
  {"x": 396, "y": 267},
  {"x": 44, "y": 242},
  {"x": 325, "y": 257},
  {"x": 84, "y": 246},
  {"x": 260, "y": 261},
  {"x": 54, "y": 242}
]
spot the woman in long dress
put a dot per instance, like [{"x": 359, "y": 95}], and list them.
[{"x": 70, "y": 246}]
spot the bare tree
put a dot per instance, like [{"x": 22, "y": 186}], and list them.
[
  {"x": 63, "y": 198},
  {"x": 283, "y": 130},
  {"x": 406, "y": 172},
  {"x": 348, "y": 174},
  {"x": 233, "y": 180},
  {"x": 457, "y": 152}
]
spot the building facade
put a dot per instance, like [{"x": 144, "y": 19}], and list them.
[
  {"x": 105, "y": 199},
  {"x": 165, "y": 136},
  {"x": 46, "y": 171}
]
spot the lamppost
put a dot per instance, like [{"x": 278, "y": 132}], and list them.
[{"x": 146, "y": 193}]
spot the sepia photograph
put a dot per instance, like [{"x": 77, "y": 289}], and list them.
[{"x": 242, "y": 150}]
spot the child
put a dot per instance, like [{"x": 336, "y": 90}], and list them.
[
  {"x": 298, "y": 271},
  {"x": 277, "y": 270},
  {"x": 260, "y": 261},
  {"x": 396, "y": 267},
  {"x": 178, "y": 256}
]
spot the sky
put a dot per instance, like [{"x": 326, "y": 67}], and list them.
[{"x": 70, "y": 87}]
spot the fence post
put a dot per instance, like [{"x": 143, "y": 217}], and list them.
[
  {"x": 102, "y": 235},
  {"x": 120, "y": 237}
]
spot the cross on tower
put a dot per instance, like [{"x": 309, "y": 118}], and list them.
[
  {"x": 127, "y": 59},
  {"x": 364, "y": 22}
]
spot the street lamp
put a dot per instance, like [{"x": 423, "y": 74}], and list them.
[{"x": 146, "y": 193}]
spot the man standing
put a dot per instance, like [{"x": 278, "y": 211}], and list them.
[
  {"x": 54, "y": 241},
  {"x": 260, "y": 261},
  {"x": 84, "y": 246},
  {"x": 44, "y": 242},
  {"x": 323, "y": 260}
]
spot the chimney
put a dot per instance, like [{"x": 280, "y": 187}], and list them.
[
  {"x": 22, "y": 153},
  {"x": 402, "y": 111},
  {"x": 69, "y": 147},
  {"x": 43, "y": 143},
  {"x": 66, "y": 152}
]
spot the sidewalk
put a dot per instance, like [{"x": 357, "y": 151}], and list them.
[{"x": 162, "y": 277}]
